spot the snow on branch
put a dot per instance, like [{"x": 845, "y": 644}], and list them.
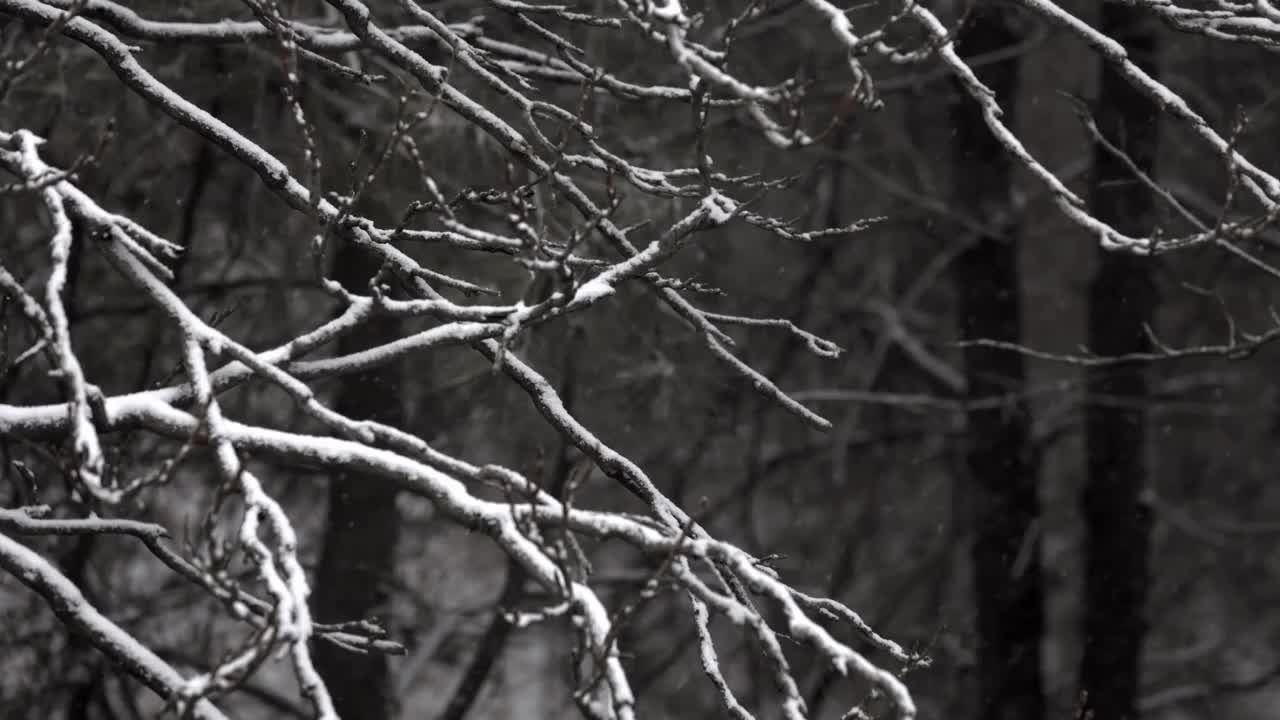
[
  {"x": 1255, "y": 23},
  {"x": 1262, "y": 185},
  {"x": 500, "y": 520},
  {"x": 69, "y": 604},
  {"x": 559, "y": 214},
  {"x": 192, "y": 413}
]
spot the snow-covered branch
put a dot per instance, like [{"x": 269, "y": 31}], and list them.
[
  {"x": 593, "y": 219},
  {"x": 71, "y": 607}
]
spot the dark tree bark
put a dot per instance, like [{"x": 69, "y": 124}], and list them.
[
  {"x": 1121, "y": 303},
  {"x": 363, "y": 524},
  {"x": 1002, "y": 464}
]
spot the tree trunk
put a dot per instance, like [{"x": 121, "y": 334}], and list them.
[
  {"x": 1001, "y": 462},
  {"x": 363, "y": 524},
  {"x": 1121, "y": 303}
]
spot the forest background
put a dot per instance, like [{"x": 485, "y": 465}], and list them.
[{"x": 1012, "y": 413}]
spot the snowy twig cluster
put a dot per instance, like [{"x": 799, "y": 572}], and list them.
[
  {"x": 717, "y": 577},
  {"x": 505, "y": 102}
]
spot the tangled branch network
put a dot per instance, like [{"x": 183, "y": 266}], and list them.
[{"x": 501, "y": 89}]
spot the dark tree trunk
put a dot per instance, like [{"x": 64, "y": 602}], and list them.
[
  {"x": 1001, "y": 461},
  {"x": 1121, "y": 303},
  {"x": 82, "y": 659},
  {"x": 363, "y": 524}
]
